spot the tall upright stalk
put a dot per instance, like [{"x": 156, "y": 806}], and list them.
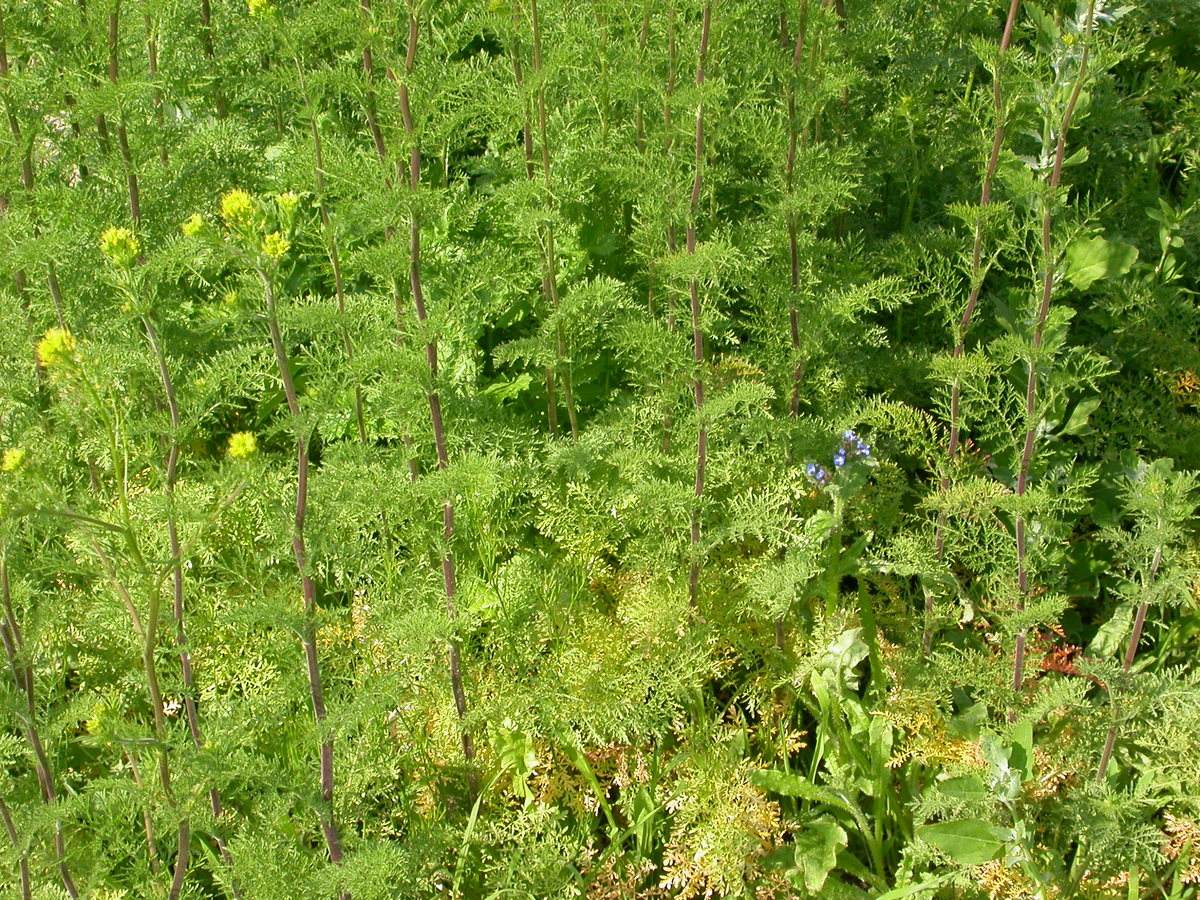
[
  {"x": 177, "y": 592},
  {"x": 152, "y": 64},
  {"x": 792, "y": 227},
  {"x": 308, "y": 638},
  {"x": 331, "y": 247},
  {"x": 10, "y": 829},
  {"x": 1049, "y": 265},
  {"x": 131, "y": 178},
  {"x": 1135, "y": 637},
  {"x": 206, "y": 40},
  {"x": 22, "y": 672},
  {"x": 978, "y": 273},
  {"x": 697, "y": 332},
  {"x": 449, "y": 580},
  {"x": 20, "y": 280},
  {"x": 672, "y": 242}
]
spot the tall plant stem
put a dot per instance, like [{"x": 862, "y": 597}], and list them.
[
  {"x": 672, "y": 242},
  {"x": 549, "y": 256},
  {"x": 184, "y": 832},
  {"x": 177, "y": 593},
  {"x": 331, "y": 244},
  {"x": 152, "y": 63},
  {"x": 368, "y": 61},
  {"x": 1048, "y": 264},
  {"x": 20, "y": 280},
  {"x": 531, "y": 174},
  {"x": 206, "y": 41},
  {"x": 978, "y": 274},
  {"x": 131, "y": 178},
  {"x": 22, "y": 671},
  {"x": 1135, "y": 638},
  {"x": 697, "y": 332},
  {"x": 449, "y": 581},
  {"x": 308, "y": 588},
  {"x": 792, "y": 227},
  {"x": 22, "y": 857}
]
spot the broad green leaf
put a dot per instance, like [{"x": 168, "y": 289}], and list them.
[
  {"x": 817, "y": 845},
  {"x": 967, "y": 841},
  {"x": 1090, "y": 259},
  {"x": 964, "y": 787}
]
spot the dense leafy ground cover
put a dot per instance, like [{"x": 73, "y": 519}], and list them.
[{"x": 594, "y": 449}]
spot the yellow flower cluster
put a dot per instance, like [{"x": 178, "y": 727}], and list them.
[
  {"x": 55, "y": 348},
  {"x": 193, "y": 226},
  {"x": 13, "y": 459},
  {"x": 275, "y": 245},
  {"x": 260, "y": 8},
  {"x": 237, "y": 208},
  {"x": 242, "y": 445},
  {"x": 120, "y": 246}
]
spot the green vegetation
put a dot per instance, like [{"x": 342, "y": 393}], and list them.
[{"x": 577, "y": 448}]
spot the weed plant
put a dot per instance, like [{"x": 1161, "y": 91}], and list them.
[{"x": 568, "y": 448}]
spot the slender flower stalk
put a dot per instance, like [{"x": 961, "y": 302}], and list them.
[
  {"x": 131, "y": 178},
  {"x": 152, "y": 65},
  {"x": 1049, "y": 266},
  {"x": 177, "y": 591},
  {"x": 206, "y": 40},
  {"x": 1139, "y": 621},
  {"x": 308, "y": 588},
  {"x": 331, "y": 244},
  {"x": 449, "y": 580},
  {"x": 369, "y": 104},
  {"x": 22, "y": 857},
  {"x": 697, "y": 333},
  {"x": 22, "y": 671},
  {"x": 671, "y": 239},
  {"x": 789, "y": 182},
  {"x": 979, "y": 271}
]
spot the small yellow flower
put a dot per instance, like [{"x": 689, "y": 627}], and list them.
[
  {"x": 288, "y": 202},
  {"x": 242, "y": 445},
  {"x": 56, "y": 347},
  {"x": 14, "y": 458},
  {"x": 193, "y": 226},
  {"x": 260, "y": 8},
  {"x": 237, "y": 208},
  {"x": 120, "y": 246},
  {"x": 275, "y": 245}
]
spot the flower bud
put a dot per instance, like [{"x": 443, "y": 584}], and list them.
[
  {"x": 120, "y": 246},
  {"x": 242, "y": 445}
]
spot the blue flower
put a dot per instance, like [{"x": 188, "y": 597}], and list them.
[
  {"x": 817, "y": 474},
  {"x": 839, "y": 458}
]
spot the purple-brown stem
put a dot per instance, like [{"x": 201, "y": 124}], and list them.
[
  {"x": 449, "y": 582},
  {"x": 178, "y": 606},
  {"x": 152, "y": 63},
  {"x": 789, "y": 180},
  {"x": 206, "y": 40},
  {"x": 308, "y": 588},
  {"x": 549, "y": 263},
  {"x": 339, "y": 285},
  {"x": 22, "y": 670},
  {"x": 1135, "y": 637},
  {"x": 697, "y": 333},
  {"x": 131, "y": 179},
  {"x": 22, "y": 856},
  {"x": 672, "y": 241},
  {"x": 1038, "y": 333},
  {"x": 978, "y": 273}
]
